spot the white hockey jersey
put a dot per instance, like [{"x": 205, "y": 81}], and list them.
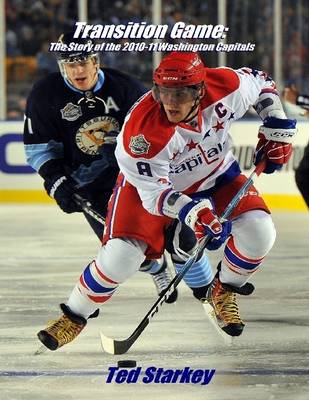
[{"x": 159, "y": 157}]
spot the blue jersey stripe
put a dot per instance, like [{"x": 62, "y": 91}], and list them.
[{"x": 39, "y": 154}]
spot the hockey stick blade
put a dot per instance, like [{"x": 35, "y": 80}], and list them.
[{"x": 114, "y": 346}]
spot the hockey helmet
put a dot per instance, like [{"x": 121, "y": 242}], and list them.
[
  {"x": 179, "y": 78},
  {"x": 180, "y": 69},
  {"x": 77, "y": 50}
]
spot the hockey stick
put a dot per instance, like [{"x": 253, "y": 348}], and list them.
[
  {"x": 114, "y": 346},
  {"x": 87, "y": 208}
]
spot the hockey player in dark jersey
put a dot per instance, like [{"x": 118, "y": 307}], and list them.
[
  {"x": 292, "y": 95},
  {"x": 72, "y": 120}
]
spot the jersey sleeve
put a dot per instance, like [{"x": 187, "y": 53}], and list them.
[
  {"x": 143, "y": 152},
  {"x": 253, "y": 84},
  {"x": 149, "y": 175},
  {"x": 42, "y": 141}
]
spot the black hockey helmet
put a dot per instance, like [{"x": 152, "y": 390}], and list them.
[{"x": 74, "y": 55}]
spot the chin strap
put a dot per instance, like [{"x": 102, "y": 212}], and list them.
[{"x": 194, "y": 107}]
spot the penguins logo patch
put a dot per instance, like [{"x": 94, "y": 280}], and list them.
[{"x": 90, "y": 135}]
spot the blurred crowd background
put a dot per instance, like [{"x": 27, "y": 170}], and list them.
[{"x": 32, "y": 24}]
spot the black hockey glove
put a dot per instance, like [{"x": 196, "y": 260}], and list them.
[{"x": 62, "y": 188}]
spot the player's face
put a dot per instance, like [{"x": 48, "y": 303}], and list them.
[
  {"x": 177, "y": 102},
  {"x": 82, "y": 75},
  {"x": 177, "y": 112}
]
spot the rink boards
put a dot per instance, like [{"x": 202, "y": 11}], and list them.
[{"x": 20, "y": 184}]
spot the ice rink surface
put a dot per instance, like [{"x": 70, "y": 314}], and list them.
[{"x": 43, "y": 252}]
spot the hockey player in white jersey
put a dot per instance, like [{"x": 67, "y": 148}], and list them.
[{"x": 177, "y": 170}]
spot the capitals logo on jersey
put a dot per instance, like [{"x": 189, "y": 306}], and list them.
[{"x": 90, "y": 135}]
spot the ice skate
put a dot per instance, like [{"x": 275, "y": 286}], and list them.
[
  {"x": 222, "y": 298},
  {"x": 63, "y": 330},
  {"x": 162, "y": 279}
]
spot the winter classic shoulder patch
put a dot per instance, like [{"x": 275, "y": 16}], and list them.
[{"x": 139, "y": 145}]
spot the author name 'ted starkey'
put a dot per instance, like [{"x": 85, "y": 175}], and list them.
[{"x": 160, "y": 375}]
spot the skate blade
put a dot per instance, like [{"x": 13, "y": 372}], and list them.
[
  {"x": 228, "y": 340},
  {"x": 41, "y": 350}
]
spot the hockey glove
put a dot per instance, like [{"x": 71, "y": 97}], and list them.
[
  {"x": 62, "y": 189},
  {"x": 199, "y": 217},
  {"x": 276, "y": 136}
]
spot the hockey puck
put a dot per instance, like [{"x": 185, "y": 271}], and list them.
[{"x": 126, "y": 363}]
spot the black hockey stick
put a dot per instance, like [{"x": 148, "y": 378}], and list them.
[
  {"x": 114, "y": 346},
  {"x": 87, "y": 208}
]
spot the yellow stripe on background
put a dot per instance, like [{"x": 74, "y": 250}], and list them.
[
  {"x": 24, "y": 196},
  {"x": 285, "y": 202},
  {"x": 274, "y": 201}
]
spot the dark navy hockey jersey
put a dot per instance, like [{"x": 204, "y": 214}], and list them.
[{"x": 65, "y": 127}]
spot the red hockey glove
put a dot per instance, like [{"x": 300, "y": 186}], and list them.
[
  {"x": 199, "y": 217},
  {"x": 277, "y": 154},
  {"x": 275, "y": 136}
]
